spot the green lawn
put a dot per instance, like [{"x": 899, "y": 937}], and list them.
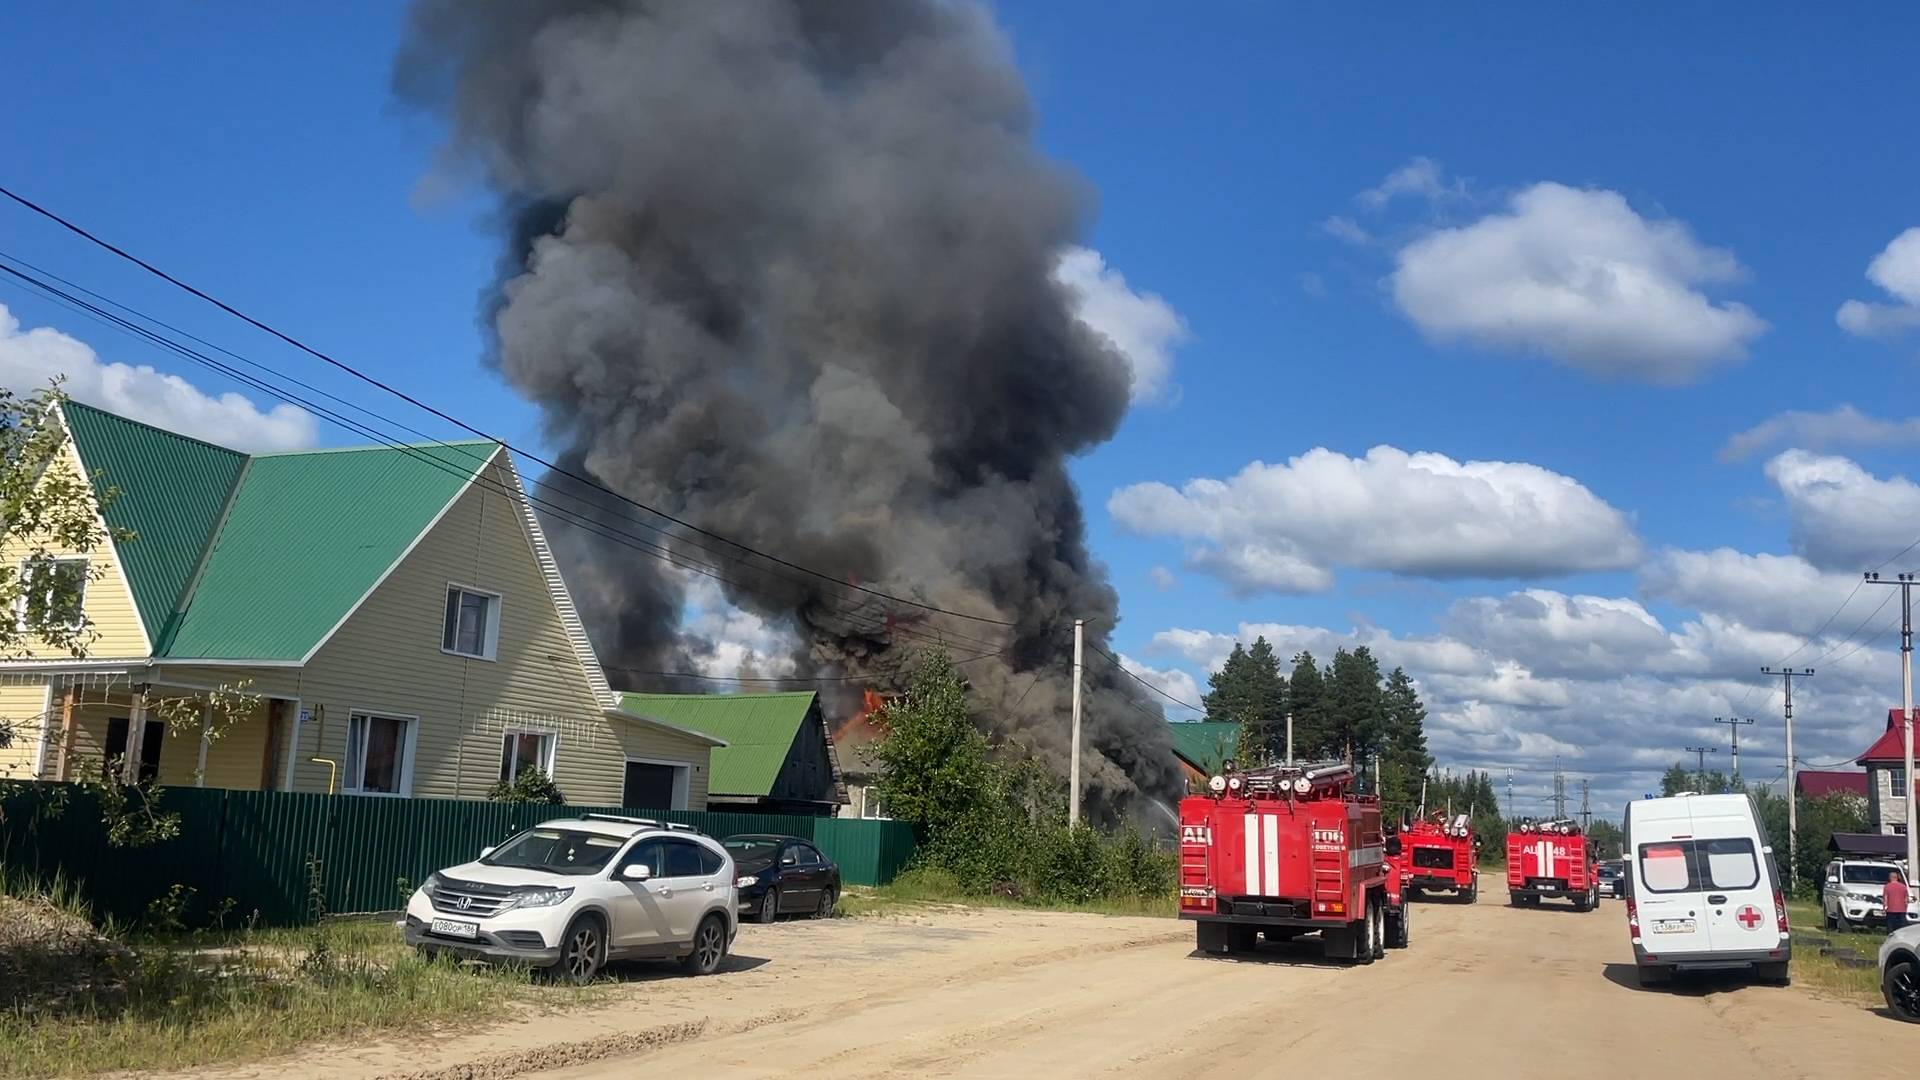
[{"x": 1826, "y": 973}]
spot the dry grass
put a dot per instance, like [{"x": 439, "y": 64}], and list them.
[
  {"x": 1825, "y": 973},
  {"x": 179, "y": 1001},
  {"x": 922, "y": 887}
]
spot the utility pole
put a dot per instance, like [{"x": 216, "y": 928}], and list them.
[
  {"x": 1509, "y": 796},
  {"x": 1701, "y": 752},
  {"x": 1073, "y": 769},
  {"x": 1559, "y": 794},
  {"x": 1289, "y": 736},
  {"x": 1787, "y": 675},
  {"x": 1905, "y": 581},
  {"x": 1733, "y": 727},
  {"x": 1586, "y": 807}
]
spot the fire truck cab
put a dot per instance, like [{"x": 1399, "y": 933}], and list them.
[
  {"x": 1551, "y": 860},
  {"x": 1439, "y": 854},
  {"x": 1287, "y": 850}
]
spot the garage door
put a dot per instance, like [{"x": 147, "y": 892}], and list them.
[{"x": 649, "y": 786}]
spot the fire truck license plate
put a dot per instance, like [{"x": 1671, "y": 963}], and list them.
[{"x": 1673, "y": 926}]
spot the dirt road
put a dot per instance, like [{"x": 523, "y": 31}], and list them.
[{"x": 1485, "y": 990}]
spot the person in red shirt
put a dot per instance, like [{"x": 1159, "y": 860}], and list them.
[{"x": 1896, "y": 899}]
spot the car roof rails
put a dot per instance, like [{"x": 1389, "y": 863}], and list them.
[{"x": 648, "y": 822}]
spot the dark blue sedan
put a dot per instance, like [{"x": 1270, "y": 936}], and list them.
[{"x": 782, "y": 875}]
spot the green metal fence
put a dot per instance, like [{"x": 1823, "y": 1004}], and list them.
[{"x": 279, "y": 856}]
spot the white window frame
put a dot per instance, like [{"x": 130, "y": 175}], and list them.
[
  {"x": 20, "y": 601},
  {"x": 549, "y": 754},
  {"x": 409, "y": 743},
  {"x": 490, "y": 647},
  {"x": 682, "y": 778}
]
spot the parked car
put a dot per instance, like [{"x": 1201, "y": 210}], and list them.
[
  {"x": 1608, "y": 877},
  {"x": 569, "y": 895},
  {"x": 1900, "y": 973},
  {"x": 1703, "y": 890},
  {"x": 1854, "y": 892},
  {"x": 783, "y": 875}
]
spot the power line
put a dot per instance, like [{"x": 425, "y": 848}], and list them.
[
  {"x": 810, "y": 679},
  {"x": 1115, "y": 661},
  {"x": 558, "y": 513},
  {"x": 341, "y": 365}
]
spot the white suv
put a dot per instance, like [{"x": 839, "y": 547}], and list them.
[
  {"x": 1855, "y": 892},
  {"x": 571, "y": 894}
]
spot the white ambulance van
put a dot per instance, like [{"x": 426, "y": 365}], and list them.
[{"x": 1703, "y": 893}]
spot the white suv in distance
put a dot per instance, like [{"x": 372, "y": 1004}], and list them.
[
  {"x": 569, "y": 895},
  {"x": 1855, "y": 892}
]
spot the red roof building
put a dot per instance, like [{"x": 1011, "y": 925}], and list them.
[
  {"x": 1890, "y": 747},
  {"x": 1887, "y": 779},
  {"x": 1813, "y": 783}
]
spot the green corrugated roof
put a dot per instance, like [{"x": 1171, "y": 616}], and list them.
[
  {"x": 1204, "y": 745},
  {"x": 172, "y": 490},
  {"x": 307, "y": 536},
  {"x": 759, "y": 729}
]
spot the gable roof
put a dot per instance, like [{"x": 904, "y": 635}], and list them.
[
  {"x": 1890, "y": 746},
  {"x": 1813, "y": 783},
  {"x": 759, "y": 730},
  {"x": 259, "y": 559},
  {"x": 171, "y": 492},
  {"x": 1204, "y": 745}
]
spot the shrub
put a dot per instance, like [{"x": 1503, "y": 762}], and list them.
[{"x": 533, "y": 785}]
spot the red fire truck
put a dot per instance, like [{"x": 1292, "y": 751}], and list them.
[
  {"x": 1287, "y": 850},
  {"x": 1438, "y": 853},
  {"x": 1551, "y": 859}
]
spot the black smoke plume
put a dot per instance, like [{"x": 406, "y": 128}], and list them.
[{"x": 785, "y": 269}]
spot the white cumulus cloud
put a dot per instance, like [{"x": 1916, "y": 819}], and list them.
[
  {"x": 1283, "y": 527},
  {"x": 1143, "y": 327},
  {"x": 1840, "y": 426},
  {"x": 1421, "y": 177},
  {"x": 1840, "y": 516},
  {"x": 29, "y": 359},
  {"x": 1763, "y": 591},
  {"x": 1897, "y": 271},
  {"x": 1578, "y": 276}
]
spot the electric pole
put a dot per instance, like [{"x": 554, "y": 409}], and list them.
[
  {"x": 1905, "y": 581},
  {"x": 1733, "y": 728},
  {"x": 1787, "y": 675},
  {"x": 1701, "y": 752},
  {"x": 1073, "y": 769},
  {"x": 1559, "y": 794},
  {"x": 1586, "y": 807},
  {"x": 1509, "y": 796}
]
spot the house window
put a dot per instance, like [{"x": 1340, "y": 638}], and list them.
[
  {"x": 52, "y": 593},
  {"x": 522, "y": 750},
  {"x": 472, "y": 625},
  {"x": 377, "y": 753},
  {"x": 1897, "y": 780}
]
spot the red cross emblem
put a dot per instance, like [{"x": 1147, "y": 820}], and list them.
[{"x": 1749, "y": 917}]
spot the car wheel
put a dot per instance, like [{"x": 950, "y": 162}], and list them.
[
  {"x": 1776, "y": 974},
  {"x": 583, "y": 951},
  {"x": 1843, "y": 924},
  {"x": 1652, "y": 976},
  {"x": 1828, "y": 916},
  {"x": 709, "y": 947},
  {"x": 769, "y": 905},
  {"x": 1901, "y": 985},
  {"x": 828, "y": 897}
]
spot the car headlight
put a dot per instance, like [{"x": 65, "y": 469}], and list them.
[
  {"x": 746, "y": 881},
  {"x": 1864, "y": 898},
  {"x": 537, "y": 898},
  {"x": 431, "y": 885}
]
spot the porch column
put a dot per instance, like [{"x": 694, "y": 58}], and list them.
[
  {"x": 136, "y": 736},
  {"x": 206, "y": 738},
  {"x": 63, "y": 771}
]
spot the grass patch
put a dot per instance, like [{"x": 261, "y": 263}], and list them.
[
  {"x": 182, "y": 1000},
  {"x": 1824, "y": 972},
  {"x": 924, "y": 886}
]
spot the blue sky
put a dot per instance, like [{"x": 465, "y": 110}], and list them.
[{"x": 1740, "y": 174}]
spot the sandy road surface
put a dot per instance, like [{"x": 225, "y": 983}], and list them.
[{"x": 1485, "y": 990}]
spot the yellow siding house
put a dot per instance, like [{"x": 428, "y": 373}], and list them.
[{"x": 379, "y": 621}]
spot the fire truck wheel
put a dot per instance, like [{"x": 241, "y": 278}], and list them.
[
  {"x": 1377, "y": 933},
  {"x": 1397, "y": 926},
  {"x": 1243, "y": 938},
  {"x": 1473, "y": 891},
  {"x": 1211, "y": 937},
  {"x": 1412, "y": 892},
  {"x": 1339, "y": 944}
]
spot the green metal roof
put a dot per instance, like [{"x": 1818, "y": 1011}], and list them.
[
  {"x": 171, "y": 492},
  {"x": 759, "y": 729},
  {"x": 308, "y": 535},
  {"x": 1204, "y": 745},
  {"x": 259, "y": 558}
]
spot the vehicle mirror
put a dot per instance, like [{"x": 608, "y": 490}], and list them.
[
  {"x": 637, "y": 872},
  {"x": 1393, "y": 845},
  {"x": 485, "y": 851},
  {"x": 788, "y": 860}
]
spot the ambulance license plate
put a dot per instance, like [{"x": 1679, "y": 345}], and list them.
[
  {"x": 1673, "y": 926},
  {"x": 450, "y": 928}
]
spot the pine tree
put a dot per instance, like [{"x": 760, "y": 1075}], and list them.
[
  {"x": 1356, "y": 710},
  {"x": 1404, "y": 757},
  {"x": 1307, "y": 693},
  {"x": 1250, "y": 691}
]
